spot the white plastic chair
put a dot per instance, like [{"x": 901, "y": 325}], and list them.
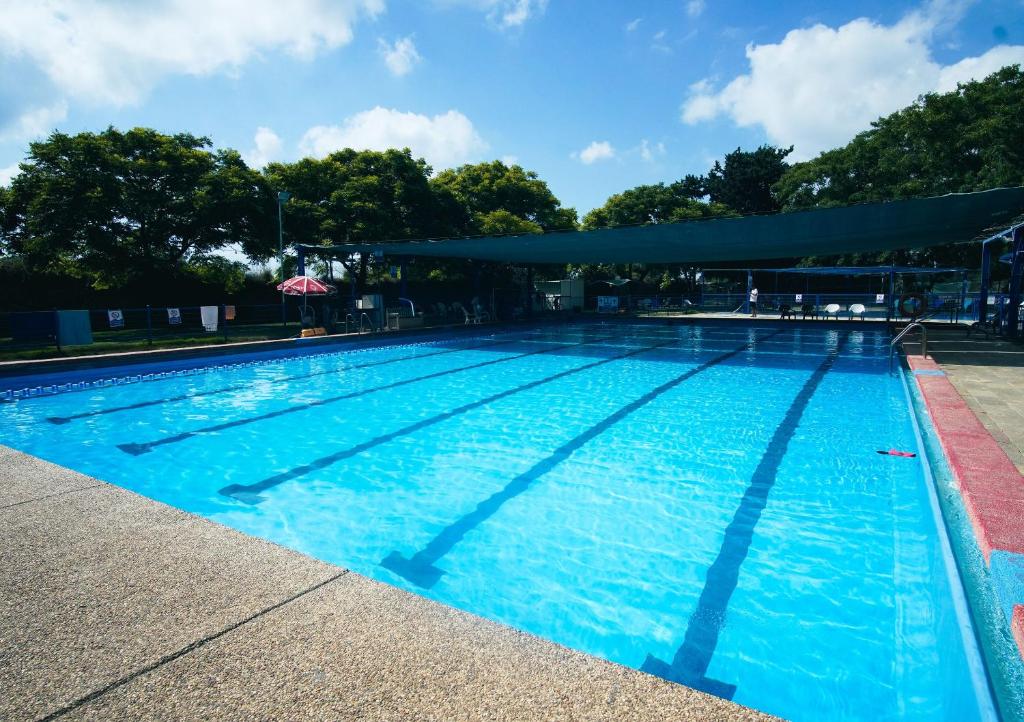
[
  {"x": 832, "y": 309},
  {"x": 469, "y": 317},
  {"x": 857, "y": 309}
]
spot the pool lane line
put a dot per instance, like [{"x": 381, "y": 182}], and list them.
[
  {"x": 530, "y": 336},
  {"x": 691, "y": 661},
  {"x": 249, "y": 493},
  {"x": 240, "y": 387},
  {"x": 420, "y": 568},
  {"x": 138, "y": 448}
]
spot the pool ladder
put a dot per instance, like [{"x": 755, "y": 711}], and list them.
[
  {"x": 899, "y": 337},
  {"x": 350, "y": 319}
]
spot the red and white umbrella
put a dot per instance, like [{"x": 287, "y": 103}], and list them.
[{"x": 305, "y": 286}]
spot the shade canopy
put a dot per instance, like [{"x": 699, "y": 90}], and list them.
[
  {"x": 861, "y": 270},
  {"x": 864, "y": 228}
]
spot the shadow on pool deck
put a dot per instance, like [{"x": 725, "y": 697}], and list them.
[{"x": 113, "y": 605}]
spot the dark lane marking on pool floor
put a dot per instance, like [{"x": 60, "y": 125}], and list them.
[
  {"x": 419, "y": 568},
  {"x": 138, "y": 448},
  {"x": 249, "y": 493},
  {"x": 529, "y": 336},
  {"x": 692, "y": 659},
  {"x": 297, "y": 377}
]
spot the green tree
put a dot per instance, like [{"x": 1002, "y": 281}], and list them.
[
  {"x": 469, "y": 195},
  {"x": 966, "y": 140},
  {"x": 115, "y": 207},
  {"x": 744, "y": 183},
  {"x": 356, "y": 196},
  {"x": 657, "y": 203}
]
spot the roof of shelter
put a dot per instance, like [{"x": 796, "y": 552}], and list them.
[{"x": 863, "y": 228}]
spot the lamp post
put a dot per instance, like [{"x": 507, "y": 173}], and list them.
[{"x": 282, "y": 198}]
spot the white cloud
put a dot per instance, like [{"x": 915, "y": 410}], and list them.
[
  {"x": 7, "y": 174},
  {"x": 505, "y": 14},
  {"x": 35, "y": 122},
  {"x": 980, "y": 66},
  {"x": 400, "y": 56},
  {"x": 648, "y": 151},
  {"x": 633, "y": 24},
  {"x": 510, "y": 159},
  {"x": 445, "y": 140},
  {"x": 694, "y": 8},
  {"x": 820, "y": 86},
  {"x": 266, "y": 148},
  {"x": 596, "y": 151},
  {"x": 658, "y": 42},
  {"x": 113, "y": 53}
]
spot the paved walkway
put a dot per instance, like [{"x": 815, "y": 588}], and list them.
[
  {"x": 115, "y": 606},
  {"x": 989, "y": 374}
]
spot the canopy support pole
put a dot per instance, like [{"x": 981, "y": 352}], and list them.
[
  {"x": 892, "y": 295},
  {"x": 1016, "y": 279},
  {"x": 529, "y": 291},
  {"x": 986, "y": 274},
  {"x": 963, "y": 296},
  {"x": 300, "y": 254}
]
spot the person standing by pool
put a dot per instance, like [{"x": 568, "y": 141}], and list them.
[{"x": 753, "y": 303}]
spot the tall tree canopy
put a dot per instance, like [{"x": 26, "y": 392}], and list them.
[
  {"x": 115, "y": 206},
  {"x": 356, "y": 196},
  {"x": 966, "y": 140},
  {"x": 744, "y": 182},
  {"x": 657, "y": 203},
  {"x": 486, "y": 198},
  {"x": 359, "y": 196}
]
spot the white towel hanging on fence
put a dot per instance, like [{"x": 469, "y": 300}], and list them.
[{"x": 209, "y": 316}]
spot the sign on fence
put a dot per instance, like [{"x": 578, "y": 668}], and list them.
[
  {"x": 879, "y": 298},
  {"x": 174, "y": 316},
  {"x": 799, "y": 298},
  {"x": 229, "y": 313},
  {"x": 116, "y": 318},
  {"x": 607, "y": 304}
]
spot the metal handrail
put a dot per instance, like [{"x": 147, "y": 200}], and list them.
[
  {"x": 368, "y": 321},
  {"x": 910, "y": 327}
]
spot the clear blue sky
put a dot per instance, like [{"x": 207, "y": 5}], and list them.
[{"x": 596, "y": 96}]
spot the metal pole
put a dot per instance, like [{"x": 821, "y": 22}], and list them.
[
  {"x": 892, "y": 295},
  {"x": 282, "y": 198},
  {"x": 1016, "y": 281},
  {"x": 986, "y": 273},
  {"x": 149, "y": 324},
  {"x": 280, "y": 251},
  {"x": 750, "y": 285}
]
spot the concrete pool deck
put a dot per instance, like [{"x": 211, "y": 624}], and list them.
[{"x": 113, "y": 605}]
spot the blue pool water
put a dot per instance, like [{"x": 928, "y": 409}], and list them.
[{"x": 702, "y": 502}]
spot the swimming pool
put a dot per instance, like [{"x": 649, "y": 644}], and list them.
[{"x": 704, "y": 502}]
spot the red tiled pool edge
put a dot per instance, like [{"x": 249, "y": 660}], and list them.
[{"x": 991, "y": 486}]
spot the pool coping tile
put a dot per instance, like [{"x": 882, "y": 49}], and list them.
[{"x": 990, "y": 484}]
